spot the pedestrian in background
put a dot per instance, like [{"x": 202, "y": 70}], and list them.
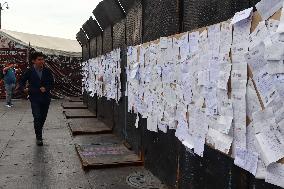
[
  {"x": 40, "y": 83},
  {"x": 9, "y": 73}
]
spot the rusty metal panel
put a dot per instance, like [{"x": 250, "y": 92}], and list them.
[
  {"x": 105, "y": 110},
  {"x": 107, "y": 40},
  {"x": 86, "y": 50},
  {"x": 160, "y": 154},
  {"x": 119, "y": 34},
  {"x": 134, "y": 25},
  {"x": 160, "y": 19},
  {"x": 108, "y": 12},
  {"x": 99, "y": 45},
  {"x": 127, "y": 4},
  {"x": 81, "y": 37},
  {"x": 93, "y": 48},
  {"x": 200, "y": 13}
]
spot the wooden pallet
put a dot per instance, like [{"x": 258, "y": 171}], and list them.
[
  {"x": 106, "y": 156},
  {"x": 88, "y": 126},
  {"x": 74, "y": 105},
  {"x": 75, "y": 99},
  {"x": 78, "y": 113}
]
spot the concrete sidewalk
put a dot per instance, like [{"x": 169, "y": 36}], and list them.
[{"x": 56, "y": 164}]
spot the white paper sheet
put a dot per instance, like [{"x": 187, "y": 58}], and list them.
[
  {"x": 163, "y": 43},
  {"x": 275, "y": 174},
  {"x": 252, "y": 101},
  {"x": 238, "y": 52},
  {"x": 270, "y": 148},
  {"x": 199, "y": 143},
  {"x": 226, "y": 37},
  {"x": 241, "y": 33},
  {"x": 152, "y": 123},
  {"x": 253, "y": 148},
  {"x": 264, "y": 121},
  {"x": 239, "y": 16},
  {"x": 162, "y": 126},
  {"x": 193, "y": 39},
  {"x": 182, "y": 133},
  {"x": 281, "y": 24},
  {"x": 274, "y": 51},
  {"x": 265, "y": 86},
  {"x": 272, "y": 26},
  {"x": 255, "y": 58},
  {"x": 137, "y": 121},
  {"x": 222, "y": 123},
  {"x": 266, "y": 8},
  {"x": 246, "y": 160},
  {"x": 219, "y": 140},
  {"x": 260, "y": 34}
]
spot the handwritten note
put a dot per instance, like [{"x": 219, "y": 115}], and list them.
[
  {"x": 246, "y": 160},
  {"x": 271, "y": 149}
]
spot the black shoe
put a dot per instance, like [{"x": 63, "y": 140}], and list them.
[{"x": 39, "y": 142}]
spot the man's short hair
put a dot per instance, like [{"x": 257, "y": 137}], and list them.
[
  {"x": 35, "y": 55},
  {"x": 9, "y": 63}
]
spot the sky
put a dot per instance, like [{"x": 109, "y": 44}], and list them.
[{"x": 58, "y": 18}]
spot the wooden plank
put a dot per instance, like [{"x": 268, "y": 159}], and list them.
[
  {"x": 106, "y": 156},
  {"x": 88, "y": 126},
  {"x": 78, "y": 113},
  {"x": 74, "y": 105},
  {"x": 75, "y": 99}
]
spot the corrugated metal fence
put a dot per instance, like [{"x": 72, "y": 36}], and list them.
[{"x": 164, "y": 155}]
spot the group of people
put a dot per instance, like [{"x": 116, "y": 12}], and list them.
[{"x": 37, "y": 82}]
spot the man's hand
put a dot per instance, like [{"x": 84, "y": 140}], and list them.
[
  {"x": 42, "y": 89},
  {"x": 26, "y": 90}
]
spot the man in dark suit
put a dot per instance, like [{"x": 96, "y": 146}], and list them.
[{"x": 41, "y": 82}]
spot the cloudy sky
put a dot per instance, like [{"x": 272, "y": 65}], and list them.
[{"x": 59, "y": 18}]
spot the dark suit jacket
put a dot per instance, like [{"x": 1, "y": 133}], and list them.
[{"x": 35, "y": 83}]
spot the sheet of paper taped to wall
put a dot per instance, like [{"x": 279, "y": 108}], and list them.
[
  {"x": 219, "y": 140},
  {"x": 270, "y": 148},
  {"x": 267, "y": 8},
  {"x": 275, "y": 174},
  {"x": 246, "y": 160},
  {"x": 265, "y": 86},
  {"x": 239, "y": 16},
  {"x": 259, "y": 35},
  {"x": 253, "y": 104},
  {"x": 241, "y": 33}
]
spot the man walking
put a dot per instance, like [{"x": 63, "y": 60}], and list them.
[
  {"x": 9, "y": 72},
  {"x": 41, "y": 82}
]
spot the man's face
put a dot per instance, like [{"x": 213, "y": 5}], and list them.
[{"x": 39, "y": 61}]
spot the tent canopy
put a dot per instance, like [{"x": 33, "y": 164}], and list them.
[{"x": 46, "y": 44}]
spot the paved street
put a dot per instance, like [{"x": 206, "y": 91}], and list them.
[{"x": 23, "y": 165}]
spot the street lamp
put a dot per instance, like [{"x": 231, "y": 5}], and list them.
[{"x": 2, "y": 7}]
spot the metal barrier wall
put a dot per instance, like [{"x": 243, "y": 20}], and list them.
[
  {"x": 93, "y": 48},
  {"x": 99, "y": 45},
  {"x": 200, "y": 13},
  {"x": 164, "y": 155},
  {"x": 160, "y": 18}
]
